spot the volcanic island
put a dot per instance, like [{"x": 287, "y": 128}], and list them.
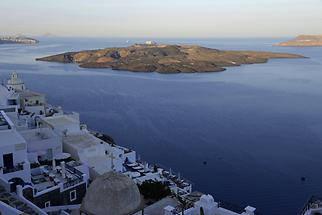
[{"x": 164, "y": 58}]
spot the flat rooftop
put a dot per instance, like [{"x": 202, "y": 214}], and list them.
[
  {"x": 10, "y": 137},
  {"x": 60, "y": 120},
  {"x": 101, "y": 164},
  {"x": 38, "y": 134},
  {"x": 19, "y": 122},
  {"x": 28, "y": 93},
  {"x": 81, "y": 141}
]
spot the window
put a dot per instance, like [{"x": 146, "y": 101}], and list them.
[
  {"x": 47, "y": 204},
  {"x": 72, "y": 195}
]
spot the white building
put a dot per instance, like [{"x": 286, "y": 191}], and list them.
[
  {"x": 9, "y": 100},
  {"x": 32, "y": 102},
  {"x": 150, "y": 42},
  {"x": 209, "y": 207},
  {"x": 100, "y": 156},
  {"x": 26, "y": 139},
  {"x": 15, "y": 83},
  {"x": 63, "y": 124},
  {"x": 15, "y": 95},
  {"x": 13, "y": 152},
  {"x": 43, "y": 144}
]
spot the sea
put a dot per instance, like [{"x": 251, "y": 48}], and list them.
[{"x": 251, "y": 135}]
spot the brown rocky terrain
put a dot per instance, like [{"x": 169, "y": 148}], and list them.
[
  {"x": 164, "y": 58},
  {"x": 303, "y": 40}
]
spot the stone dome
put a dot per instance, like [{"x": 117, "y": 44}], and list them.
[{"x": 111, "y": 193}]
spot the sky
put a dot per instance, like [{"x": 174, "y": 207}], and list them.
[{"x": 161, "y": 18}]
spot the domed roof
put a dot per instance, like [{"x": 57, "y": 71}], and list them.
[{"x": 111, "y": 193}]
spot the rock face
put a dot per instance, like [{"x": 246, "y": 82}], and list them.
[
  {"x": 164, "y": 58},
  {"x": 303, "y": 40},
  {"x": 111, "y": 193},
  {"x": 18, "y": 40}
]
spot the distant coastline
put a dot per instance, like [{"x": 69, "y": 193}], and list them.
[
  {"x": 303, "y": 41},
  {"x": 17, "y": 40},
  {"x": 152, "y": 57}
]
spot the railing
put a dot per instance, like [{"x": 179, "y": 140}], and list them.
[
  {"x": 174, "y": 173},
  {"x": 74, "y": 170},
  {"x": 76, "y": 181},
  {"x": 72, "y": 183}
]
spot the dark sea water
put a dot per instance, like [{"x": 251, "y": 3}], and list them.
[{"x": 258, "y": 127}]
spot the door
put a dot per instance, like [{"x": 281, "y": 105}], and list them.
[{"x": 8, "y": 161}]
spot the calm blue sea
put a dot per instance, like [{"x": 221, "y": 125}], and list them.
[{"x": 258, "y": 127}]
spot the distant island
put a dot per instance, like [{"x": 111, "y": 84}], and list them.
[
  {"x": 151, "y": 57},
  {"x": 17, "y": 40},
  {"x": 303, "y": 40}
]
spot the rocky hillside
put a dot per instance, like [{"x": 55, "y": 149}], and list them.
[
  {"x": 164, "y": 58},
  {"x": 304, "y": 40}
]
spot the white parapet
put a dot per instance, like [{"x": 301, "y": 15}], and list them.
[
  {"x": 249, "y": 210},
  {"x": 168, "y": 210},
  {"x": 209, "y": 207}
]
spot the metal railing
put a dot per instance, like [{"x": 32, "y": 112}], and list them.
[
  {"x": 76, "y": 181},
  {"x": 74, "y": 171},
  {"x": 72, "y": 183}
]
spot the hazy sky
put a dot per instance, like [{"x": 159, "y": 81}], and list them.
[{"x": 161, "y": 18}]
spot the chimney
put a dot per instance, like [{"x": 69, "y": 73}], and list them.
[
  {"x": 62, "y": 164},
  {"x": 54, "y": 164},
  {"x": 249, "y": 210}
]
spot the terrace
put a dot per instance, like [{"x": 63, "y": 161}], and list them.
[
  {"x": 141, "y": 172},
  {"x": 13, "y": 202},
  {"x": 38, "y": 134},
  {"x": 64, "y": 176},
  {"x": 176, "y": 182}
]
